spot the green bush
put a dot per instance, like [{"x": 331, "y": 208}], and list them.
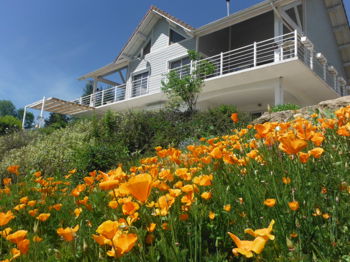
[
  {"x": 284, "y": 107},
  {"x": 102, "y": 143},
  {"x": 9, "y": 124}
]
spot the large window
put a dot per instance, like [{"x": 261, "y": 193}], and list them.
[
  {"x": 139, "y": 84},
  {"x": 181, "y": 66},
  {"x": 175, "y": 37}
]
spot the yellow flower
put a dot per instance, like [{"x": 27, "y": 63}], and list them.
[
  {"x": 211, "y": 215},
  {"x": 246, "y": 247},
  {"x": 227, "y": 207},
  {"x": 264, "y": 232},
  {"x": 77, "y": 212}
]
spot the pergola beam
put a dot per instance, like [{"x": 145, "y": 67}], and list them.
[{"x": 106, "y": 81}]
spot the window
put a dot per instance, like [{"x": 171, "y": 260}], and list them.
[
  {"x": 147, "y": 48},
  {"x": 139, "y": 84},
  {"x": 180, "y": 66},
  {"x": 175, "y": 37}
]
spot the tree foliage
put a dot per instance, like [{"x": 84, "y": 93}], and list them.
[
  {"x": 29, "y": 121},
  {"x": 57, "y": 120},
  {"x": 7, "y": 108},
  {"x": 183, "y": 88},
  {"x": 9, "y": 124}
]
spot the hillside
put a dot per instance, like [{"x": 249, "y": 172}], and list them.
[{"x": 277, "y": 191}]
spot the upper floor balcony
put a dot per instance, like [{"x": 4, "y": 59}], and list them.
[{"x": 238, "y": 69}]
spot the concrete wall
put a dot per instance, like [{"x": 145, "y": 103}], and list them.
[{"x": 319, "y": 30}]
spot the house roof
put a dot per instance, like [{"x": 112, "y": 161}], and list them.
[
  {"x": 144, "y": 28},
  {"x": 341, "y": 30}
]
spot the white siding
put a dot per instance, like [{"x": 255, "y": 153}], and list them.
[
  {"x": 319, "y": 30},
  {"x": 156, "y": 62}
]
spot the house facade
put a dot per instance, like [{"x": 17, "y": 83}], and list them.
[{"x": 275, "y": 52}]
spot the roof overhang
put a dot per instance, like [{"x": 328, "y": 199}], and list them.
[
  {"x": 340, "y": 23},
  {"x": 55, "y": 105},
  {"x": 241, "y": 16},
  {"x": 105, "y": 70},
  {"x": 137, "y": 39}
]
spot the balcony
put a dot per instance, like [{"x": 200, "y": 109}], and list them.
[{"x": 290, "y": 56}]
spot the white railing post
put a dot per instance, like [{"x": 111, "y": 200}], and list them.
[
  {"x": 191, "y": 67},
  {"x": 115, "y": 94},
  {"x": 221, "y": 63},
  {"x": 102, "y": 97},
  {"x": 311, "y": 58},
  {"x": 255, "y": 54},
  {"x": 24, "y": 117},
  {"x": 91, "y": 104},
  {"x": 295, "y": 43}
]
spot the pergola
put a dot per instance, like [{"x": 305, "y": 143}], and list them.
[{"x": 55, "y": 105}]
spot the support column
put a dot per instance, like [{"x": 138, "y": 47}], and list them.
[
  {"x": 41, "y": 117},
  {"x": 24, "y": 117},
  {"x": 93, "y": 96},
  {"x": 278, "y": 91}
]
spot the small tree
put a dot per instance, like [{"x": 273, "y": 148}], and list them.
[
  {"x": 185, "y": 89},
  {"x": 7, "y": 108},
  {"x": 29, "y": 121}
]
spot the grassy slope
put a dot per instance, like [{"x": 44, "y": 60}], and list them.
[{"x": 247, "y": 167}]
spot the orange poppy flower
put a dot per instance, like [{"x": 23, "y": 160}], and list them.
[
  {"x": 264, "y": 232},
  {"x": 68, "y": 233},
  {"x": 211, "y": 215},
  {"x": 130, "y": 208},
  {"x": 77, "y": 212},
  {"x": 292, "y": 145},
  {"x": 113, "y": 204},
  {"x": 140, "y": 186},
  {"x": 23, "y": 246},
  {"x": 227, "y": 207},
  {"x": 184, "y": 217},
  {"x": 13, "y": 169},
  {"x": 234, "y": 117},
  {"x": 286, "y": 180},
  {"x": 270, "y": 202},
  {"x": 122, "y": 244},
  {"x": 294, "y": 205},
  {"x": 303, "y": 157},
  {"x": 43, "y": 217},
  {"x": 108, "y": 229},
  {"x": 17, "y": 236},
  {"x": 37, "y": 239},
  {"x": 316, "y": 152},
  {"x": 206, "y": 195},
  {"x": 5, "y": 218},
  {"x": 7, "y": 181}
]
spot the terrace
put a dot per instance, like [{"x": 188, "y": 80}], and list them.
[{"x": 252, "y": 58}]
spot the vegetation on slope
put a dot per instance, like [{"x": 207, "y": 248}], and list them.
[{"x": 289, "y": 180}]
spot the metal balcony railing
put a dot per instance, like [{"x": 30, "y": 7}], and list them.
[
  {"x": 271, "y": 51},
  {"x": 104, "y": 97}
]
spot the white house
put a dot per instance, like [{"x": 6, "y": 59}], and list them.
[{"x": 275, "y": 52}]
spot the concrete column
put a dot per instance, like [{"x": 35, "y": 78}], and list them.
[{"x": 279, "y": 93}]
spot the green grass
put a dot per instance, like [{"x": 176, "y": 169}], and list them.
[{"x": 240, "y": 178}]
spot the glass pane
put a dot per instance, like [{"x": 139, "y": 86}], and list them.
[{"x": 175, "y": 37}]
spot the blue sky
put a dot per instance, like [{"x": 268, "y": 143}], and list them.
[{"x": 47, "y": 44}]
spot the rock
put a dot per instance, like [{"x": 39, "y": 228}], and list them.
[{"x": 284, "y": 116}]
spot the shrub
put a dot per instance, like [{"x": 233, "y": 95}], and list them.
[
  {"x": 284, "y": 107},
  {"x": 9, "y": 124}
]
